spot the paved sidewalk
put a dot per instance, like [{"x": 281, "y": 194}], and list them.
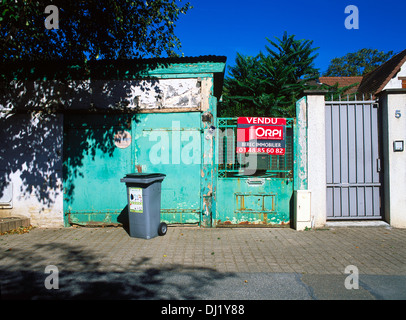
[{"x": 211, "y": 253}]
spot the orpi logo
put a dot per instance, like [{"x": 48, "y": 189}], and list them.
[{"x": 267, "y": 133}]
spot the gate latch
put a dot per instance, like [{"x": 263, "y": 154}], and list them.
[{"x": 255, "y": 182}]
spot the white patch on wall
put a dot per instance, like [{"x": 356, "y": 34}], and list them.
[
  {"x": 6, "y": 194},
  {"x": 166, "y": 93}
]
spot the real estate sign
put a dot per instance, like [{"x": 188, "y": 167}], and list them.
[{"x": 261, "y": 135}]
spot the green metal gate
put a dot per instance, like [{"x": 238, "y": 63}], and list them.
[
  {"x": 170, "y": 143},
  {"x": 246, "y": 197}
]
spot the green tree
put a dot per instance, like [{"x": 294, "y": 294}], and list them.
[
  {"x": 270, "y": 83},
  {"x": 110, "y": 29},
  {"x": 241, "y": 88},
  {"x": 357, "y": 63}
]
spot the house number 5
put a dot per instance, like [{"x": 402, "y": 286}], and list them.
[{"x": 397, "y": 114}]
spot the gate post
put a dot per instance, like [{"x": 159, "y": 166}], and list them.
[
  {"x": 316, "y": 110},
  {"x": 310, "y": 162},
  {"x": 393, "y": 104}
]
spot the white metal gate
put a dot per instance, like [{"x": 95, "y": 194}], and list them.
[{"x": 353, "y": 161}]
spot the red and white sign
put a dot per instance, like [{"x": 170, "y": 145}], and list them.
[
  {"x": 261, "y": 135},
  {"x": 261, "y": 121}
]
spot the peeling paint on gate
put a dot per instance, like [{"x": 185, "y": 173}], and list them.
[
  {"x": 208, "y": 169},
  {"x": 300, "y": 145},
  {"x": 262, "y": 200}
]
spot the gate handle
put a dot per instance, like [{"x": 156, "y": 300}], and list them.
[{"x": 255, "y": 182}]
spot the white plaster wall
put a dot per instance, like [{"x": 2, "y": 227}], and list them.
[
  {"x": 395, "y": 83},
  {"x": 31, "y": 160},
  {"x": 394, "y": 162}
]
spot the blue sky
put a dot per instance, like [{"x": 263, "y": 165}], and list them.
[{"x": 224, "y": 27}]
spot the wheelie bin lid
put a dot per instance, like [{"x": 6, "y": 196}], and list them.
[{"x": 143, "y": 177}]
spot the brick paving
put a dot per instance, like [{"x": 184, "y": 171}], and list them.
[{"x": 374, "y": 250}]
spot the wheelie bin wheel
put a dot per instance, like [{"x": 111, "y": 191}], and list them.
[{"x": 163, "y": 227}]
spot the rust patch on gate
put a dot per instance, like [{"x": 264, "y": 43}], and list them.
[
  {"x": 254, "y": 210},
  {"x": 229, "y": 224},
  {"x": 258, "y": 202}
]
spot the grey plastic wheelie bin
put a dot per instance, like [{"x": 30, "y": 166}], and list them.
[{"x": 144, "y": 204}]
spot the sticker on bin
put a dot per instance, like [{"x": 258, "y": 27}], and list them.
[{"x": 135, "y": 200}]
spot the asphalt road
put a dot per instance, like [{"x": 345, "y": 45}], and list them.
[{"x": 154, "y": 284}]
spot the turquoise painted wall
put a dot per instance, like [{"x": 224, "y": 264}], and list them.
[{"x": 92, "y": 168}]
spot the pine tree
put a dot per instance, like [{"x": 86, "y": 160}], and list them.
[{"x": 270, "y": 83}]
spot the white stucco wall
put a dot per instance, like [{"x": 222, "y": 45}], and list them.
[
  {"x": 395, "y": 82},
  {"x": 394, "y": 128},
  {"x": 31, "y": 167}
]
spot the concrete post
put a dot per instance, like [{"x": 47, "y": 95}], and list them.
[
  {"x": 310, "y": 190},
  {"x": 393, "y": 104},
  {"x": 316, "y": 155}
]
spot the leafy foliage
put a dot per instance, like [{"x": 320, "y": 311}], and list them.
[
  {"x": 110, "y": 29},
  {"x": 270, "y": 83},
  {"x": 357, "y": 63},
  {"x": 19, "y": 230}
]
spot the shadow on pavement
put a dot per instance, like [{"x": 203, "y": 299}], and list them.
[{"x": 23, "y": 276}]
